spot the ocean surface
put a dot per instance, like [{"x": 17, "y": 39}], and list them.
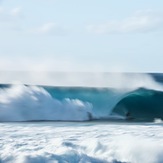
[{"x": 82, "y": 124}]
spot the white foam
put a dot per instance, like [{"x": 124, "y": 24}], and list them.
[
  {"x": 22, "y": 103},
  {"x": 71, "y": 143},
  {"x": 158, "y": 120}
]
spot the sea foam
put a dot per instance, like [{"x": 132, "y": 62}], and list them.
[{"x": 80, "y": 143}]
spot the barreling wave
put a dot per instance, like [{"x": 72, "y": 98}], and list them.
[
  {"x": 35, "y": 103},
  {"x": 141, "y": 105}
]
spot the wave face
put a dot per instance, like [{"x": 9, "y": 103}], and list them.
[{"x": 140, "y": 102}]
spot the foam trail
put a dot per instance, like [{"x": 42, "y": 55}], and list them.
[{"x": 22, "y": 103}]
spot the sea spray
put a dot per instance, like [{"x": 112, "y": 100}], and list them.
[{"x": 27, "y": 103}]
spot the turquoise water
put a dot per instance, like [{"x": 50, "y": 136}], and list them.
[{"x": 36, "y": 103}]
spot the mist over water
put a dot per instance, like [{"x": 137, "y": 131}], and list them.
[{"x": 83, "y": 79}]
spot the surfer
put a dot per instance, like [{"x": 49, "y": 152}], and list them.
[
  {"x": 128, "y": 116},
  {"x": 90, "y": 116}
]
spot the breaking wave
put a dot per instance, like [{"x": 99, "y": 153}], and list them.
[
  {"x": 28, "y": 103},
  {"x": 140, "y": 102},
  {"x": 141, "y": 105}
]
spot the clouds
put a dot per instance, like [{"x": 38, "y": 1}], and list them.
[
  {"x": 141, "y": 21},
  {"x": 55, "y": 38},
  {"x": 50, "y": 28},
  {"x": 16, "y": 12},
  {"x": 13, "y": 19},
  {"x": 47, "y": 28},
  {"x": 10, "y": 14},
  {"x": 10, "y": 19}
]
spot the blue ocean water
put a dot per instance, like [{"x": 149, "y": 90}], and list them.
[{"x": 117, "y": 124}]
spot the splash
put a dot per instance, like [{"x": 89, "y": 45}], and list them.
[{"x": 22, "y": 103}]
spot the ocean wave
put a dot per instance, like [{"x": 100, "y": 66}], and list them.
[
  {"x": 138, "y": 102},
  {"x": 141, "y": 105},
  {"x": 28, "y": 103}
]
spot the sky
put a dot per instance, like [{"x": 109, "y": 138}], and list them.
[{"x": 81, "y": 35}]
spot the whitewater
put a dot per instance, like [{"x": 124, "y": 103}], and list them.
[
  {"x": 119, "y": 123},
  {"x": 81, "y": 142}
]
